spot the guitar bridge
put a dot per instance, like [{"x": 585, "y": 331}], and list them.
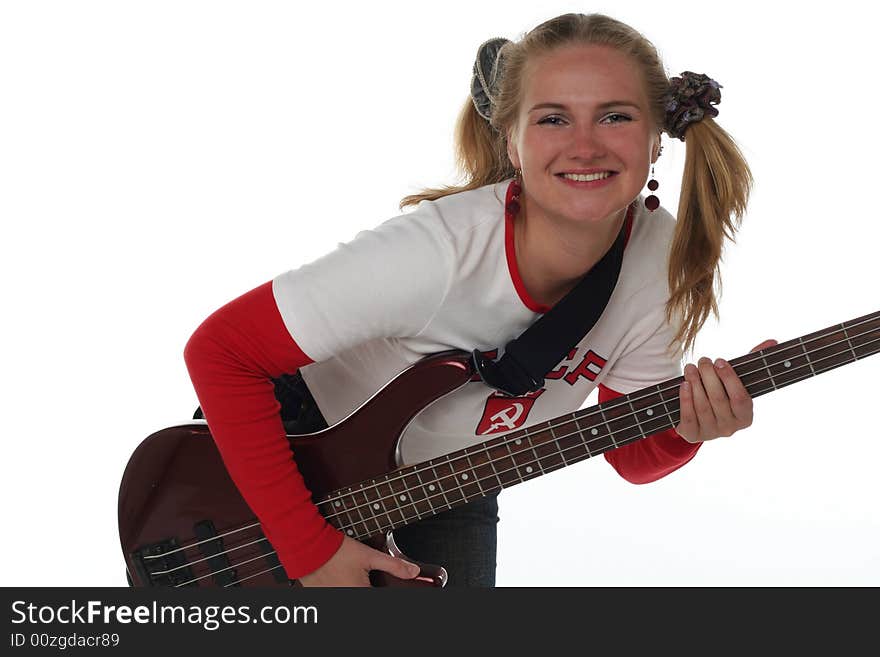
[{"x": 163, "y": 564}]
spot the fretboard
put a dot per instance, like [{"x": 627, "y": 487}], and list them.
[{"x": 425, "y": 489}]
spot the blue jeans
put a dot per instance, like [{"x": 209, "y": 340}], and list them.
[{"x": 463, "y": 540}]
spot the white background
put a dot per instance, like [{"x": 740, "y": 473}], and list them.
[{"x": 160, "y": 158}]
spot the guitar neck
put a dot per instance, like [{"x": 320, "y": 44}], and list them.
[{"x": 425, "y": 489}]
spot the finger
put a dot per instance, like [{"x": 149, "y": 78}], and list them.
[
  {"x": 400, "y": 568},
  {"x": 688, "y": 427},
  {"x": 716, "y": 393},
  {"x": 705, "y": 414},
  {"x": 764, "y": 345},
  {"x": 740, "y": 402}
]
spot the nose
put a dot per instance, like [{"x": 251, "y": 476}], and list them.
[{"x": 586, "y": 142}]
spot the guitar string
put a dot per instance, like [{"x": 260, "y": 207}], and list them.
[
  {"x": 495, "y": 476},
  {"x": 250, "y": 576},
  {"x": 776, "y": 348}
]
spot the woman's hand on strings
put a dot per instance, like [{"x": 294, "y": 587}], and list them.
[
  {"x": 713, "y": 400},
  {"x": 351, "y": 565}
]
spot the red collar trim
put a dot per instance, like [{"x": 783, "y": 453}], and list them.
[{"x": 510, "y": 252}]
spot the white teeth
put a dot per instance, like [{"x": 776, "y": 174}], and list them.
[{"x": 586, "y": 177}]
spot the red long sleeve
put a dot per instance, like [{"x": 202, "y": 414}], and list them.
[
  {"x": 231, "y": 358},
  {"x": 651, "y": 458}
]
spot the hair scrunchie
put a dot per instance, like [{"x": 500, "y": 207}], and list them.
[
  {"x": 690, "y": 98},
  {"x": 487, "y": 73}
]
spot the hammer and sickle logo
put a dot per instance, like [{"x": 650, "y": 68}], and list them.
[{"x": 506, "y": 418}]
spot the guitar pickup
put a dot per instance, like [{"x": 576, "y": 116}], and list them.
[{"x": 218, "y": 562}]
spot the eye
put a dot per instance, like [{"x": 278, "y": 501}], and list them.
[
  {"x": 549, "y": 119},
  {"x": 621, "y": 118}
]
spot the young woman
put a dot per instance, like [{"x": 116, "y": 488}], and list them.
[{"x": 556, "y": 141}]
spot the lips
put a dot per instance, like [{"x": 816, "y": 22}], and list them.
[{"x": 586, "y": 172}]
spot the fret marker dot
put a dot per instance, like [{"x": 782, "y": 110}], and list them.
[
  {"x": 595, "y": 432},
  {"x": 787, "y": 363},
  {"x": 403, "y": 498},
  {"x": 517, "y": 442},
  {"x": 350, "y": 532},
  {"x": 464, "y": 476},
  {"x": 650, "y": 411},
  {"x": 375, "y": 506},
  {"x": 528, "y": 468},
  {"x": 337, "y": 503},
  {"x": 431, "y": 487}
]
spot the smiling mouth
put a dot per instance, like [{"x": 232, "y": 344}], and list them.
[{"x": 587, "y": 177}]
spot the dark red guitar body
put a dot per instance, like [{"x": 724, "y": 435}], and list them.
[{"x": 180, "y": 515}]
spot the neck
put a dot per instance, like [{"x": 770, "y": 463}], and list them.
[{"x": 552, "y": 256}]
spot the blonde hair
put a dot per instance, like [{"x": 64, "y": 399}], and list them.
[{"x": 715, "y": 183}]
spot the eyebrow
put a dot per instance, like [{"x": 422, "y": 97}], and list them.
[{"x": 612, "y": 103}]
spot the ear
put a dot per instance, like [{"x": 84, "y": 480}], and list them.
[{"x": 655, "y": 148}]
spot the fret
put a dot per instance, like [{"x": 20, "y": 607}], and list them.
[
  {"x": 507, "y": 464},
  {"x": 575, "y": 440},
  {"x": 636, "y": 416},
  {"x": 484, "y": 469},
  {"x": 491, "y": 461},
  {"x": 660, "y": 391},
  {"x": 846, "y": 335},
  {"x": 447, "y": 482},
  {"x": 825, "y": 346},
  {"x": 584, "y": 440},
  {"x": 413, "y": 483},
  {"x": 357, "y": 507},
  {"x": 454, "y": 477},
  {"x": 367, "y": 506},
  {"x": 409, "y": 502},
  {"x": 437, "y": 479},
  {"x": 558, "y": 449},
  {"x": 620, "y": 419},
  {"x": 380, "y": 504},
  {"x": 790, "y": 366},
  {"x": 807, "y": 356},
  {"x": 599, "y": 441},
  {"x": 607, "y": 426},
  {"x": 529, "y": 468},
  {"x": 652, "y": 420},
  {"x": 546, "y": 449},
  {"x": 341, "y": 504},
  {"x": 866, "y": 342},
  {"x": 335, "y": 517},
  {"x": 467, "y": 481},
  {"x": 517, "y": 441},
  {"x": 476, "y": 476},
  {"x": 425, "y": 492},
  {"x": 768, "y": 369},
  {"x": 389, "y": 500},
  {"x": 402, "y": 500}
]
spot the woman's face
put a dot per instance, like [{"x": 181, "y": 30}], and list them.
[{"x": 584, "y": 111}]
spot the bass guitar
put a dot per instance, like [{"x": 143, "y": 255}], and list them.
[{"x": 182, "y": 521}]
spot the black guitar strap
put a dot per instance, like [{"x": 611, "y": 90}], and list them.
[{"x": 541, "y": 347}]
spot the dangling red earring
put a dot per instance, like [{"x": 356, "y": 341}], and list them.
[
  {"x": 516, "y": 191},
  {"x": 652, "y": 202}
]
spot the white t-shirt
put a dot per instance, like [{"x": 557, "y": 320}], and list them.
[{"x": 444, "y": 276}]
